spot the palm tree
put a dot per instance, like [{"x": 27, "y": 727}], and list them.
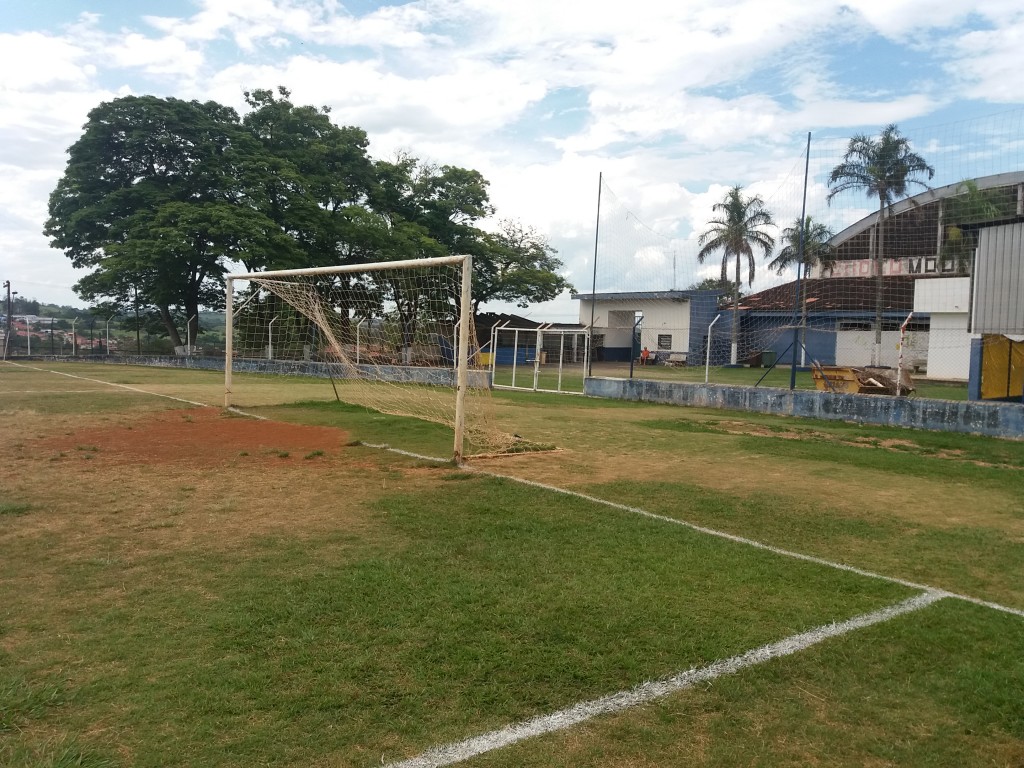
[
  {"x": 970, "y": 206},
  {"x": 817, "y": 250},
  {"x": 883, "y": 168},
  {"x": 736, "y": 232}
]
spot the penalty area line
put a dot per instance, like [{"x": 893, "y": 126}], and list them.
[{"x": 456, "y": 752}]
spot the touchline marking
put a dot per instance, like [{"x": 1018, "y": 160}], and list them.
[
  {"x": 720, "y": 534},
  {"x": 110, "y": 384},
  {"x": 456, "y": 752},
  {"x": 757, "y": 544}
]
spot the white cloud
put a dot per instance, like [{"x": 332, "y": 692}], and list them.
[
  {"x": 34, "y": 60},
  {"x": 673, "y": 102}
]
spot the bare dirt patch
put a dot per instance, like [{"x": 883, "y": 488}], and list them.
[
  {"x": 193, "y": 479},
  {"x": 199, "y": 436}
]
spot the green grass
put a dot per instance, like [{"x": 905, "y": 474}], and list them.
[
  {"x": 931, "y": 689},
  {"x": 504, "y": 606},
  {"x": 412, "y": 604}
]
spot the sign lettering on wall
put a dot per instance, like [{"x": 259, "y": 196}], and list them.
[{"x": 922, "y": 265}]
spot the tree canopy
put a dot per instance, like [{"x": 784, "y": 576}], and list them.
[
  {"x": 816, "y": 246},
  {"x": 161, "y": 196}
]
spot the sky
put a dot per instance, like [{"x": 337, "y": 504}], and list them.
[{"x": 671, "y": 102}]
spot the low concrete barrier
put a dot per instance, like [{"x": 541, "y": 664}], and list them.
[
  {"x": 444, "y": 377},
  {"x": 993, "y": 419}
]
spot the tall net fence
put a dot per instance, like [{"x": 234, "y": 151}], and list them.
[{"x": 911, "y": 245}]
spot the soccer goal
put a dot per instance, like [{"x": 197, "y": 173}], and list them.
[{"x": 396, "y": 337}]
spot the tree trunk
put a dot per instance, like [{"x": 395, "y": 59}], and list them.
[{"x": 168, "y": 321}]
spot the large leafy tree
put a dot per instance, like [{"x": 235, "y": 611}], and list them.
[
  {"x": 518, "y": 265},
  {"x": 320, "y": 182},
  {"x": 159, "y": 194},
  {"x": 737, "y": 231},
  {"x": 884, "y": 168}
]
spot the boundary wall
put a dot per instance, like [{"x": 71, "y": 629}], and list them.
[
  {"x": 983, "y": 418},
  {"x": 394, "y": 373}
]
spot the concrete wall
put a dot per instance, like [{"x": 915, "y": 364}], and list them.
[{"x": 992, "y": 419}]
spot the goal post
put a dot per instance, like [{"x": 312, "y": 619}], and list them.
[{"x": 397, "y": 337}]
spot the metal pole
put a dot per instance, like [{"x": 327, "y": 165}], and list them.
[
  {"x": 462, "y": 377},
  {"x": 270, "y": 340},
  {"x": 108, "y": 335},
  {"x": 632, "y": 338},
  {"x": 188, "y": 335},
  {"x": 138, "y": 327},
  {"x": 707, "y": 352},
  {"x": 799, "y": 268},
  {"x": 536, "y": 355},
  {"x": 229, "y": 341},
  {"x": 515, "y": 354},
  {"x": 899, "y": 364},
  {"x": 74, "y": 338},
  {"x": 593, "y": 282},
  {"x": 7, "y": 335},
  {"x": 561, "y": 357}
]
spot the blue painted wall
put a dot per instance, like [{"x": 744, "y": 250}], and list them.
[{"x": 993, "y": 419}]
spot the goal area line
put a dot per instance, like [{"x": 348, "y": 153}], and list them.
[{"x": 456, "y": 752}]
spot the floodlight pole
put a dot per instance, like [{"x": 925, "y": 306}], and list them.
[{"x": 74, "y": 338}]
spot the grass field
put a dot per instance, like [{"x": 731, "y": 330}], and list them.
[{"x": 669, "y": 587}]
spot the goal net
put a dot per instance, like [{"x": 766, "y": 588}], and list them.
[{"x": 395, "y": 337}]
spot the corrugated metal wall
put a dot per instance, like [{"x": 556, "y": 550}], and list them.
[{"x": 999, "y": 281}]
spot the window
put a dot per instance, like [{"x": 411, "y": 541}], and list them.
[{"x": 664, "y": 341}]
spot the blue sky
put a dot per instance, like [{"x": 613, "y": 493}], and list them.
[{"x": 673, "y": 102}]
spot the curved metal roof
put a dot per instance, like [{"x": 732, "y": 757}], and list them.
[{"x": 926, "y": 197}]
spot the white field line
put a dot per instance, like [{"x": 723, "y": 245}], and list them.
[
  {"x": 109, "y": 384},
  {"x": 59, "y": 391},
  {"x": 719, "y": 534},
  {"x": 456, "y": 752},
  {"x": 613, "y": 505}
]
